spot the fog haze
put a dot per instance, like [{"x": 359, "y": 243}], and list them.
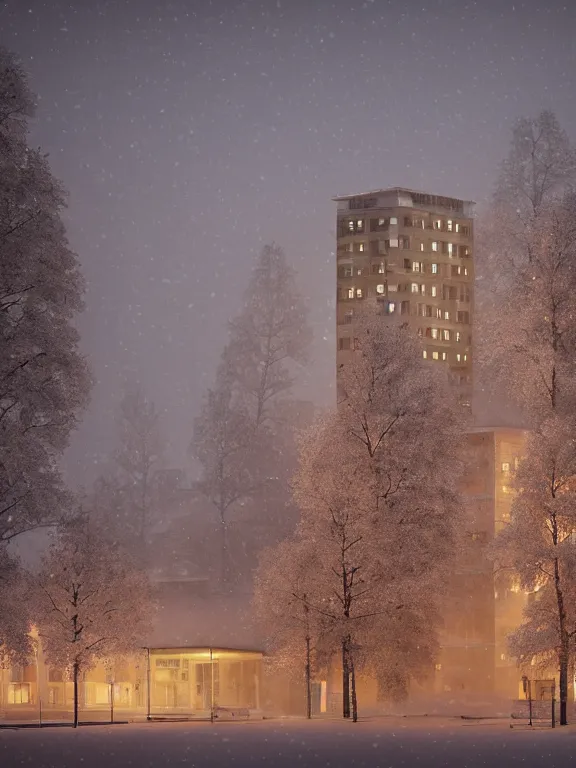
[{"x": 190, "y": 133}]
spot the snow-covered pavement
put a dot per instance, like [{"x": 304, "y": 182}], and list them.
[{"x": 387, "y": 743}]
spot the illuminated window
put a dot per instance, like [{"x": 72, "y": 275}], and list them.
[
  {"x": 350, "y": 293},
  {"x": 437, "y": 224},
  {"x": 434, "y": 245},
  {"x": 446, "y": 335},
  {"x": 444, "y": 356},
  {"x": 450, "y": 249},
  {"x": 438, "y": 667},
  {"x": 358, "y": 293},
  {"x": 449, "y": 225},
  {"x": 502, "y": 657},
  {"x": 414, "y": 288},
  {"x": 433, "y": 291},
  {"x": 361, "y": 247},
  {"x": 423, "y": 289},
  {"x": 434, "y": 355},
  {"x": 393, "y": 242},
  {"x": 434, "y": 333},
  {"x": 421, "y": 246},
  {"x": 465, "y": 358},
  {"x": 391, "y": 307},
  {"x": 381, "y": 222},
  {"x": 381, "y": 268},
  {"x": 446, "y": 315},
  {"x": 465, "y": 270},
  {"x": 380, "y": 288},
  {"x": 351, "y": 226},
  {"x": 415, "y": 266},
  {"x": 458, "y": 357},
  {"x": 19, "y": 693},
  {"x": 506, "y": 489},
  {"x": 434, "y": 269},
  {"x": 393, "y": 220},
  {"x": 424, "y": 354},
  {"x": 505, "y": 466},
  {"x": 457, "y": 228},
  {"x": 458, "y": 336}
]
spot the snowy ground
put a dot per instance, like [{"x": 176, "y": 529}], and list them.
[{"x": 388, "y": 743}]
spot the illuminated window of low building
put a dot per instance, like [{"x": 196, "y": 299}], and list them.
[
  {"x": 358, "y": 293},
  {"x": 380, "y": 288},
  {"x": 435, "y": 356},
  {"x": 424, "y": 354},
  {"x": 350, "y": 293}
]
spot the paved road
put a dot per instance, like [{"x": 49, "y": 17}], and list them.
[{"x": 382, "y": 743}]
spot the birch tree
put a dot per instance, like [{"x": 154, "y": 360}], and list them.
[
  {"x": 44, "y": 381},
  {"x": 241, "y": 439},
  {"x": 90, "y": 601}
]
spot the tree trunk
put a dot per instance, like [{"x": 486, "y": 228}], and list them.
[
  {"x": 345, "y": 681},
  {"x": 564, "y": 653},
  {"x": 225, "y": 569},
  {"x": 76, "y": 673},
  {"x": 308, "y": 681},
  {"x": 354, "y": 700}
]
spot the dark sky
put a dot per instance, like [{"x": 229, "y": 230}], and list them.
[{"x": 191, "y": 132}]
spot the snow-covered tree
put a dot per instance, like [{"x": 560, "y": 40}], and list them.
[
  {"x": 539, "y": 545},
  {"x": 44, "y": 381},
  {"x": 15, "y": 621},
  {"x": 531, "y": 355},
  {"x": 241, "y": 438},
  {"x": 283, "y": 590},
  {"x": 376, "y": 489},
  {"x": 90, "y": 602}
]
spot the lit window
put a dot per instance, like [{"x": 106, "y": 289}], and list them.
[
  {"x": 393, "y": 220},
  {"x": 351, "y": 226},
  {"x": 458, "y": 336},
  {"x": 361, "y": 246},
  {"x": 381, "y": 222},
  {"x": 444, "y": 355},
  {"x": 434, "y": 333},
  {"x": 421, "y": 246},
  {"x": 465, "y": 270},
  {"x": 381, "y": 268},
  {"x": 424, "y": 354},
  {"x": 394, "y": 242},
  {"x": 450, "y": 249},
  {"x": 434, "y": 245},
  {"x": 358, "y": 293},
  {"x": 449, "y": 225},
  {"x": 433, "y": 291},
  {"x": 437, "y": 224},
  {"x": 446, "y": 315},
  {"x": 438, "y": 667},
  {"x": 505, "y": 466},
  {"x": 446, "y": 336},
  {"x": 434, "y": 355},
  {"x": 415, "y": 266},
  {"x": 502, "y": 657},
  {"x": 350, "y": 293},
  {"x": 465, "y": 358},
  {"x": 359, "y": 223},
  {"x": 380, "y": 288},
  {"x": 391, "y": 307},
  {"x": 434, "y": 269},
  {"x": 458, "y": 357},
  {"x": 392, "y": 288},
  {"x": 423, "y": 289},
  {"x": 414, "y": 287},
  {"x": 359, "y": 272}
]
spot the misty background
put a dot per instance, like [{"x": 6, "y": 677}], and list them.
[{"x": 189, "y": 133}]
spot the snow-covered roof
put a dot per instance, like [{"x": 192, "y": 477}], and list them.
[{"x": 388, "y": 190}]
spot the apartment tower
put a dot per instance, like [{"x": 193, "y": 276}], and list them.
[{"x": 412, "y": 252}]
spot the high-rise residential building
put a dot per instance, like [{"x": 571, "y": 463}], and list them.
[{"x": 413, "y": 252}]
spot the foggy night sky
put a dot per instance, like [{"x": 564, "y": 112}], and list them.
[{"x": 190, "y": 132}]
